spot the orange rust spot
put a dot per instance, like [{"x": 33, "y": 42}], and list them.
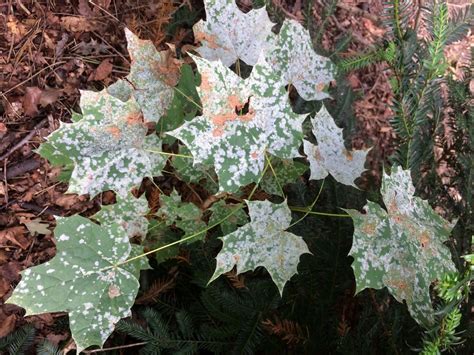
[
  {"x": 135, "y": 118},
  {"x": 369, "y": 229},
  {"x": 254, "y": 155},
  {"x": 217, "y": 132},
  {"x": 114, "y": 131},
  {"x": 317, "y": 155},
  {"x": 210, "y": 39},
  {"x": 205, "y": 85},
  {"x": 392, "y": 206},
  {"x": 236, "y": 258},
  {"x": 424, "y": 238},
  {"x": 347, "y": 154},
  {"x": 320, "y": 87},
  {"x": 233, "y": 104}
]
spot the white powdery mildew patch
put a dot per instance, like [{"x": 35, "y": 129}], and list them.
[
  {"x": 108, "y": 146},
  {"x": 330, "y": 155},
  {"x": 229, "y": 34},
  {"x": 129, "y": 212},
  {"x": 146, "y": 83},
  {"x": 294, "y": 60},
  {"x": 231, "y": 140},
  {"x": 401, "y": 248},
  {"x": 263, "y": 242},
  {"x": 82, "y": 280}
]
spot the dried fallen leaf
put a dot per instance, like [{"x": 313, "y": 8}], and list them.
[
  {"x": 7, "y": 325},
  {"x": 102, "y": 71},
  {"x": 31, "y": 100},
  {"x": 35, "y": 96},
  {"x": 37, "y": 226},
  {"x": 15, "y": 235},
  {"x": 16, "y": 30},
  {"x": 78, "y": 24}
]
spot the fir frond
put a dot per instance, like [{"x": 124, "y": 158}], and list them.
[
  {"x": 48, "y": 348},
  {"x": 287, "y": 330}
]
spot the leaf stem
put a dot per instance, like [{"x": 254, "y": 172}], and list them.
[
  {"x": 305, "y": 210},
  {"x": 274, "y": 174},
  {"x": 310, "y": 207},
  {"x": 168, "y": 154},
  {"x": 194, "y": 235},
  {"x": 190, "y": 99}
]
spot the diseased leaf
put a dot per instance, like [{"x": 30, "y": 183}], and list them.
[
  {"x": 82, "y": 280},
  {"x": 185, "y": 103},
  {"x": 287, "y": 171},
  {"x": 148, "y": 78},
  {"x": 231, "y": 137},
  {"x": 263, "y": 242},
  {"x": 295, "y": 62},
  {"x": 401, "y": 248},
  {"x": 184, "y": 215},
  {"x": 159, "y": 235},
  {"x": 129, "y": 212},
  {"x": 330, "y": 155},
  {"x": 220, "y": 210},
  {"x": 108, "y": 146},
  {"x": 229, "y": 34}
]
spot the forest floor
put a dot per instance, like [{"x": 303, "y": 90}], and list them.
[{"x": 49, "y": 50}]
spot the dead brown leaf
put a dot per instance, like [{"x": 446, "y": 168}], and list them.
[
  {"x": 16, "y": 30},
  {"x": 31, "y": 100},
  {"x": 78, "y": 24},
  {"x": 7, "y": 325},
  {"x": 35, "y": 96},
  {"x": 102, "y": 71},
  {"x": 15, "y": 235}
]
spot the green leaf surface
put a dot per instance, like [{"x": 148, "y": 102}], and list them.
[
  {"x": 185, "y": 215},
  {"x": 221, "y": 210},
  {"x": 108, "y": 146},
  {"x": 129, "y": 212},
  {"x": 147, "y": 81},
  {"x": 330, "y": 156},
  {"x": 263, "y": 242},
  {"x": 285, "y": 171},
  {"x": 196, "y": 173},
  {"x": 80, "y": 280},
  {"x": 160, "y": 234},
  {"x": 229, "y": 34},
  {"x": 401, "y": 248},
  {"x": 185, "y": 102},
  {"x": 235, "y": 140}
]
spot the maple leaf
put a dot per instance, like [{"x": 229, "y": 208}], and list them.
[
  {"x": 229, "y": 34},
  {"x": 330, "y": 155},
  {"x": 148, "y": 81},
  {"x": 283, "y": 172},
  {"x": 221, "y": 210},
  {"x": 263, "y": 242},
  {"x": 231, "y": 137},
  {"x": 129, "y": 212},
  {"x": 291, "y": 59},
  {"x": 83, "y": 280},
  {"x": 108, "y": 146},
  {"x": 401, "y": 248},
  {"x": 185, "y": 215}
]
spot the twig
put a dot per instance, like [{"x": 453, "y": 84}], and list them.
[
  {"x": 40, "y": 210},
  {"x": 6, "y": 182},
  {"x": 24, "y": 140},
  {"x": 22, "y": 168}
]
